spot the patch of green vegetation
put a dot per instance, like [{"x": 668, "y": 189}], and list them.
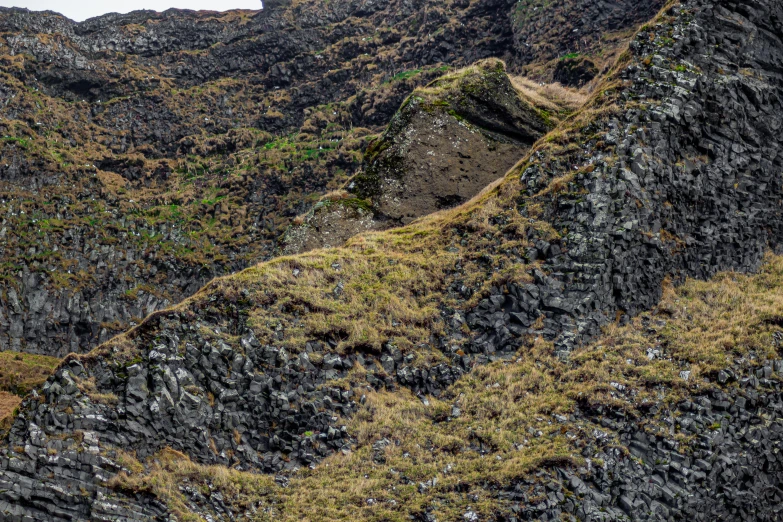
[
  {"x": 456, "y": 115},
  {"x": 284, "y": 142},
  {"x": 24, "y": 143},
  {"x": 212, "y": 201},
  {"x": 546, "y": 116},
  {"x": 403, "y": 76},
  {"x": 356, "y": 204}
]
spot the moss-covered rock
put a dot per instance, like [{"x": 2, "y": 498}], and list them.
[{"x": 448, "y": 140}]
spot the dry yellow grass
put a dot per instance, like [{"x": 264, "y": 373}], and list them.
[
  {"x": 358, "y": 296},
  {"x": 553, "y": 96},
  {"x": 705, "y": 326},
  {"x": 22, "y": 372},
  {"x": 8, "y": 404},
  {"x": 89, "y": 388}
]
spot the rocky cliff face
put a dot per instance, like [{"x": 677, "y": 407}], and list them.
[
  {"x": 671, "y": 170},
  {"x": 146, "y": 153},
  {"x": 648, "y": 198}
]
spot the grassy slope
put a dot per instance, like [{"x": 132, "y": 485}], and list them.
[
  {"x": 206, "y": 214},
  {"x": 394, "y": 285},
  {"x": 393, "y": 289},
  {"x": 19, "y": 374},
  {"x": 700, "y": 326}
]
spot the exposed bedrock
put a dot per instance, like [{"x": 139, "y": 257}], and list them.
[
  {"x": 674, "y": 171},
  {"x": 732, "y": 471},
  {"x": 682, "y": 177},
  {"x": 449, "y": 140},
  {"x": 138, "y": 104}
]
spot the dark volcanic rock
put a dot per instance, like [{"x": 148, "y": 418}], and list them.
[
  {"x": 677, "y": 174},
  {"x": 187, "y": 99},
  {"x": 575, "y": 71},
  {"x": 733, "y": 471},
  {"x": 683, "y": 179},
  {"x": 546, "y": 32},
  {"x": 448, "y": 141}
]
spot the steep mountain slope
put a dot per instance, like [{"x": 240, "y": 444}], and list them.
[
  {"x": 671, "y": 170},
  {"x": 146, "y": 153}
]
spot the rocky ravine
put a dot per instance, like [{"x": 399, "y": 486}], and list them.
[{"x": 673, "y": 169}]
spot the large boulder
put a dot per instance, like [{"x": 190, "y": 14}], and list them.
[{"x": 448, "y": 141}]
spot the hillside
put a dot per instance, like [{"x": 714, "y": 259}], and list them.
[
  {"x": 145, "y": 154},
  {"x": 595, "y": 336}
]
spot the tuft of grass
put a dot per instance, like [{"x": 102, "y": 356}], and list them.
[
  {"x": 570, "y": 56},
  {"x": 9, "y": 403},
  {"x": 172, "y": 469},
  {"x": 360, "y": 301},
  {"x": 549, "y": 96},
  {"x": 22, "y": 372},
  {"x": 19, "y": 374},
  {"x": 89, "y": 388}
]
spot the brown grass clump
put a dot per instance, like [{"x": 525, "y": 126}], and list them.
[
  {"x": 19, "y": 374},
  {"x": 359, "y": 297},
  {"x": 89, "y": 388},
  {"x": 22, "y": 372},
  {"x": 552, "y": 96},
  {"x": 171, "y": 469},
  {"x": 8, "y": 404}
]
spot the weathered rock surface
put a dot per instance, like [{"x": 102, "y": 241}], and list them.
[
  {"x": 159, "y": 162},
  {"x": 448, "y": 141},
  {"x": 146, "y": 153},
  {"x": 732, "y": 471},
  {"x": 673, "y": 171},
  {"x": 681, "y": 178},
  {"x": 440, "y": 152}
]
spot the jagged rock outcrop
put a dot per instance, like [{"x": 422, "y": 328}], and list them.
[
  {"x": 680, "y": 178},
  {"x": 448, "y": 141}
]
